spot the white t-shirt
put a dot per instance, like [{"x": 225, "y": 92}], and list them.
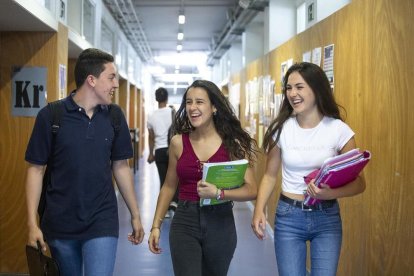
[
  {"x": 304, "y": 150},
  {"x": 159, "y": 121}
]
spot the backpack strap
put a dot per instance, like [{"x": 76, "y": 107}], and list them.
[
  {"x": 56, "y": 109},
  {"x": 115, "y": 113}
]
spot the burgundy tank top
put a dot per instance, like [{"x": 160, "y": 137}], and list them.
[{"x": 189, "y": 169}]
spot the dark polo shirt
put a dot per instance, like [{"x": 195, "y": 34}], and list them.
[{"x": 80, "y": 201}]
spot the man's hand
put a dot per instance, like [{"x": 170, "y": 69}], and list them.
[
  {"x": 151, "y": 158},
  {"x": 35, "y": 235},
  {"x": 137, "y": 235}
]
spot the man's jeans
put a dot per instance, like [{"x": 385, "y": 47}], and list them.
[
  {"x": 294, "y": 226},
  {"x": 92, "y": 257}
]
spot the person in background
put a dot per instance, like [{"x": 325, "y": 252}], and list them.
[
  {"x": 159, "y": 123},
  {"x": 80, "y": 221},
  {"x": 308, "y": 130},
  {"x": 203, "y": 239}
]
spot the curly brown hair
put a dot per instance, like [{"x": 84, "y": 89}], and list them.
[{"x": 236, "y": 140}]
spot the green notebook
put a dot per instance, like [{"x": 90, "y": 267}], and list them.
[{"x": 225, "y": 175}]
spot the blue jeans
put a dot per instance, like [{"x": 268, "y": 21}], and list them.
[
  {"x": 93, "y": 257},
  {"x": 202, "y": 239},
  {"x": 294, "y": 227}
]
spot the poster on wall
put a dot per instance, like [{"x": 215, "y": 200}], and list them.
[
  {"x": 278, "y": 103},
  {"x": 307, "y": 56},
  {"x": 268, "y": 100},
  {"x": 328, "y": 63},
  {"x": 317, "y": 56},
  {"x": 234, "y": 97},
  {"x": 29, "y": 90},
  {"x": 62, "y": 81},
  {"x": 284, "y": 66}
]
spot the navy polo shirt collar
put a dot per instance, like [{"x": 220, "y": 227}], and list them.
[{"x": 71, "y": 105}]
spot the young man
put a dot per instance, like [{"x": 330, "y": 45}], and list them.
[
  {"x": 158, "y": 124},
  {"x": 80, "y": 221}
]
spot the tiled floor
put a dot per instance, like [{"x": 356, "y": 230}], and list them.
[{"x": 252, "y": 257}]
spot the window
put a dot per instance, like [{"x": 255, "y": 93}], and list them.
[
  {"x": 107, "y": 38},
  {"x": 88, "y": 23}
]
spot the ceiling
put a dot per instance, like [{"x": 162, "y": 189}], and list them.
[{"x": 209, "y": 29}]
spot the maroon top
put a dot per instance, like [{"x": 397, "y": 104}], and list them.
[{"x": 190, "y": 169}]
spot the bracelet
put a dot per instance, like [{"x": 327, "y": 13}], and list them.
[
  {"x": 218, "y": 192},
  {"x": 155, "y": 227},
  {"x": 222, "y": 195}
]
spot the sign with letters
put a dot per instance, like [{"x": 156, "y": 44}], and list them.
[{"x": 29, "y": 90}]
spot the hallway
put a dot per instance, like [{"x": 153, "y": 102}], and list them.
[{"x": 252, "y": 257}]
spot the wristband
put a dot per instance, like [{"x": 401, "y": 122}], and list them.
[
  {"x": 154, "y": 227},
  {"x": 222, "y": 195},
  {"x": 218, "y": 193}
]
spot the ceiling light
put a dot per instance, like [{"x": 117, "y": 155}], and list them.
[
  {"x": 182, "y": 59},
  {"x": 156, "y": 69},
  {"x": 244, "y": 3},
  {"x": 180, "y": 36},
  {"x": 179, "y": 47},
  {"x": 181, "y": 19}
]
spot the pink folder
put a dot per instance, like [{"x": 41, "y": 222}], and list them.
[{"x": 338, "y": 171}]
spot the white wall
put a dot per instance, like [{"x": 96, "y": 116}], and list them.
[
  {"x": 252, "y": 40},
  {"x": 327, "y": 7},
  {"x": 281, "y": 20}
]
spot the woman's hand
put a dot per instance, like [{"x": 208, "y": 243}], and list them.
[
  {"x": 324, "y": 192},
  {"x": 154, "y": 241},
  {"x": 259, "y": 225},
  {"x": 206, "y": 190}
]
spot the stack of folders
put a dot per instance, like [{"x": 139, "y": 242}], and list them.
[{"x": 338, "y": 171}]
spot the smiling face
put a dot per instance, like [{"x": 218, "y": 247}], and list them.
[
  {"x": 301, "y": 97},
  {"x": 106, "y": 84},
  {"x": 198, "y": 107}
]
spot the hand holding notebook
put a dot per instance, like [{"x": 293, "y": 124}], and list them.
[
  {"x": 338, "y": 171},
  {"x": 224, "y": 175}
]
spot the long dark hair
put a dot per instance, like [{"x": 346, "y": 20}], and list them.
[
  {"x": 236, "y": 140},
  {"x": 317, "y": 80}
]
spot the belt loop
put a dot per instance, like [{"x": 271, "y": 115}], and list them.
[{"x": 306, "y": 208}]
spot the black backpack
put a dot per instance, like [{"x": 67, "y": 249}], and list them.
[{"x": 56, "y": 109}]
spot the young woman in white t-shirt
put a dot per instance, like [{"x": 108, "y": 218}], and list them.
[{"x": 308, "y": 130}]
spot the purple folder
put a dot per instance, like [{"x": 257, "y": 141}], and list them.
[{"x": 338, "y": 171}]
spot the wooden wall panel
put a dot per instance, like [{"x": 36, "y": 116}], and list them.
[
  {"x": 21, "y": 49},
  {"x": 391, "y": 239},
  {"x": 123, "y": 97},
  {"x": 373, "y": 78},
  {"x": 133, "y": 107},
  {"x": 62, "y": 56},
  {"x": 71, "y": 75},
  {"x": 141, "y": 120},
  {"x": 242, "y": 79}
]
